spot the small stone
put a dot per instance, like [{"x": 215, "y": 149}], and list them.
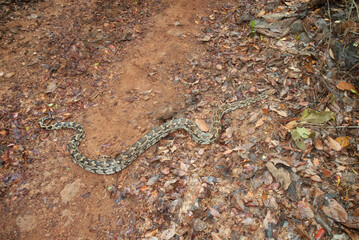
[
  {"x": 32, "y": 16},
  {"x": 199, "y": 225},
  {"x": 51, "y": 87},
  {"x": 304, "y": 38},
  {"x": 1, "y": 74},
  {"x": 9, "y": 75},
  {"x": 204, "y": 64},
  {"x": 219, "y": 67},
  {"x": 296, "y": 26}
]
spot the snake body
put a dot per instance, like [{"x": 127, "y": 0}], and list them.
[{"x": 113, "y": 165}]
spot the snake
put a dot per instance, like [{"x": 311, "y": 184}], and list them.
[{"x": 108, "y": 165}]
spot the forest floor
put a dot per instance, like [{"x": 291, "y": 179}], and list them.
[{"x": 284, "y": 168}]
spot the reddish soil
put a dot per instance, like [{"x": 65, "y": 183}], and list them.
[
  {"x": 122, "y": 67},
  {"x": 133, "y": 92}
]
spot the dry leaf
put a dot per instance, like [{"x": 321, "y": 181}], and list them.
[
  {"x": 342, "y": 85},
  {"x": 316, "y": 178},
  {"x": 202, "y": 125},
  {"x": 260, "y": 122},
  {"x": 343, "y": 141},
  {"x": 335, "y": 210},
  {"x": 215, "y": 236},
  {"x": 334, "y": 144},
  {"x": 214, "y": 212},
  {"x": 291, "y": 125},
  {"x": 318, "y": 144}
]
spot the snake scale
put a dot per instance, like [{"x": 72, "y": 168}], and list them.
[{"x": 110, "y": 166}]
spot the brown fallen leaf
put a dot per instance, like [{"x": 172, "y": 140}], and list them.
[
  {"x": 214, "y": 212},
  {"x": 280, "y": 174},
  {"x": 260, "y": 122},
  {"x": 335, "y": 210},
  {"x": 343, "y": 141},
  {"x": 202, "y": 125},
  {"x": 318, "y": 144},
  {"x": 342, "y": 85},
  {"x": 216, "y": 236},
  {"x": 333, "y": 144}
]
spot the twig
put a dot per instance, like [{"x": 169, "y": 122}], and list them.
[
  {"x": 356, "y": 6},
  {"x": 319, "y": 125},
  {"x": 330, "y": 26}
]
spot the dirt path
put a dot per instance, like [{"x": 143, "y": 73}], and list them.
[
  {"x": 121, "y": 67},
  {"x": 66, "y": 202}
]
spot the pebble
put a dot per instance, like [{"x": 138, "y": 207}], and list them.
[
  {"x": 32, "y": 16},
  {"x": 219, "y": 67},
  {"x": 199, "y": 225},
  {"x": 9, "y": 75}
]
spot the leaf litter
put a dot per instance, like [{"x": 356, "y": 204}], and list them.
[{"x": 257, "y": 181}]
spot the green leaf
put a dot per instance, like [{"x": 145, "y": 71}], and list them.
[
  {"x": 303, "y": 132},
  {"x": 27, "y": 128},
  {"x": 252, "y": 24},
  {"x": 50, "y": 104},
  {"x": 312, "y": 116},
  {"x": 297, "y": 139},
  {"x": 96, "y": 64}
]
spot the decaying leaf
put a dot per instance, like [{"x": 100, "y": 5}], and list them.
[
  {"x": 297, "y": 139},
  {"x": 303, "y": 132},
  {"x": 280, "y": 174},
  {"x": 335, "y": 210},
  {"x": 312, "y": 116}
]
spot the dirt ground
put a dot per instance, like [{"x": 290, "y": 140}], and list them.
[
  {"x": 121, "y": 68},
  {"x": 124, "y": 98}
]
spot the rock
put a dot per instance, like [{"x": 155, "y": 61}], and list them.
[
  {"x": 9, "y": 75},
  {"x": 276, "y": 16},
  {"x": 32, "y": 16},
  {"x": 271, "y": 5},
  {"x": 26, "y": 223},
  {"x": 70, "y": 190},
  {"x": 261, "y": 24},
  {"x": 199, "y": 225},
  {"x": 178, "y": 23},
  {"x": 191, "y": 56},
  {"x": 296, "y": 26},
  {"x": 304, "y": 38},
  {"x": 219, "y": 67},
  {"x": 204, "y": 64},
  {"x": 51, "y": 87}
]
